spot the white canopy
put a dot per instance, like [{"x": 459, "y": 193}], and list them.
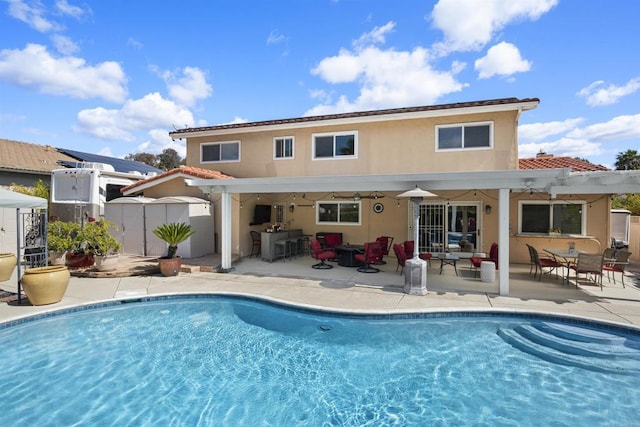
[{"x": 11, "y": 199}]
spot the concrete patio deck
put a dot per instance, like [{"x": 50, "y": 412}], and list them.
[{"x": 345, "y": 289}]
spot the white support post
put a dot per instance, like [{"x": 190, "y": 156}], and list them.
[
  {"x": 226, "y": 218},
  {"x": 503, "y": 240}
]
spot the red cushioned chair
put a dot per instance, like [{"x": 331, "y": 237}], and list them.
[
  {"x": 372, "y": 253},
  {"x": 332, "y": 240},
  {"x": 493, "y": 256},
  {"x": 386, "y": 241},
  {"x": 321, "y": 255},
  {"x": 400, "y": 256},
  {"x": 408, "y": 248}
]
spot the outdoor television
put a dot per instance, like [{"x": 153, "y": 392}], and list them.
[{"x": 261, "y": 214}]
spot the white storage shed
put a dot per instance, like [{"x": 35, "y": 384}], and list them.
[
  {"x": 128, "y": 214},
  {"x": 190, "y": 210}
]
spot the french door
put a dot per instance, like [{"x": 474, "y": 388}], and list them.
[{"x": 450, "y": 227}]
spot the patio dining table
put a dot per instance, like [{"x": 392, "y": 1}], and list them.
[{"x": 564, "y": 256}]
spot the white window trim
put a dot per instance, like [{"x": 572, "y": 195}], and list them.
[
  {"x": 334, "y": 134},
  {"x": 336, "y": 202},
  {"x": 463, "y": 125},
  {"x": 583, "y": 203},
  {"x": 293, "y": 147},
  {"x": 221, "y": 143}
]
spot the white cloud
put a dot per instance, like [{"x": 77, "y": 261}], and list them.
[
  {"x": 535, "y": 132},
  {"x": 596, "y": 94},
  {"x": 618, "y": 128},
  {"x": 158, "y": 141},
  {"x": 387, "y": 78},
  {"x": 134, "y": 43},
  {"x": 469, "y": 24},
  {"x": 32, "y": 15},
  {"x": 149, "y": 112},
  {"x": 189, "y": 87},
  {"x": 64, "y": 7},
  {"x": 502, "y": 59},
  {"x": 275, "y": 37},
  {"x": 574, "y": 141},
  {"x": 562, "y": 147},
  {"x": 375, "y": 36},
  {"x": 236, "y": 120},
  {"x": 35, "y": 68},
  {"x": 64, "y": 44}
]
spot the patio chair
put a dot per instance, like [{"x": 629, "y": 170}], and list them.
[
  {"x": 321, "y": 255},
  {"x": 618, "y": 264},
  {"x": 401, "y": 256},
  {"x": 409, "y": 246},
  {"x": 476, "y": 261},
  {"x": 589, "y": 265},
  {"x": 386, "y": 241},
  {"x": 543, "y": 262},
  {"x": 372, "y": 253},
  {"x": 256, "y": 241}
]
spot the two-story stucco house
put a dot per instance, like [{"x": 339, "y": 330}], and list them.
[{"x": 344, "y": 172}]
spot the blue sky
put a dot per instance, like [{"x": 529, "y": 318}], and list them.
[{"x": 114, "y": 77}]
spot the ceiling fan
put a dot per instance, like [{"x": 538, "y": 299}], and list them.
[{"x": 357, "y": 196}]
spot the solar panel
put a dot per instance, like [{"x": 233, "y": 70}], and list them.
[{"x": 120, "y": 165}]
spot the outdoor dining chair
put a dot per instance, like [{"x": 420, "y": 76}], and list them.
[
  {"x": 617, "y": 265},
  {"x": 542, "y": 262},
  {"x": 589, "y": 265}
]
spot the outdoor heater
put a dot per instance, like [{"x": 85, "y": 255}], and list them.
[{"x": 415, "y": 270}]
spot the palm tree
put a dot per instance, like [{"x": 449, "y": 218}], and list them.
[
  {"x": 174, "y": 233},
  {"x": 629, "y": 160}
]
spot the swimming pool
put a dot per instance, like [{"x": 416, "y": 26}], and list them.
[{"x": 236, "y": 361}]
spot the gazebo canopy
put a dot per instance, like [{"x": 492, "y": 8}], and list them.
[{"x": 11, "y": 199}]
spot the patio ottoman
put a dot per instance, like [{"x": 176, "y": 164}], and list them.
[{"x": 487, "y": 271}]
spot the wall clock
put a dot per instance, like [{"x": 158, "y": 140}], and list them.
[{"x": 378, "y": 207}]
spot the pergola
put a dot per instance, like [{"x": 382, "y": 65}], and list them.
[{"x": 552, "y": 181}]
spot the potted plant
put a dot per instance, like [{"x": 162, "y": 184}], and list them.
[
  {"x": 173, "y": 234},
  {"x": 98, "y": 240},
  {"x": 62, "y": 236}
]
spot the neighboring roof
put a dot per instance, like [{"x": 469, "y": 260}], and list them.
[
  {"x": 525, "y": 104},
  {"x": 11, "y": 199},
  {"x": 120, "y": 165},
  {"x": 29, "y": 158},
  {"x": 549, "y": 161},
  {"x": 189, "y": 172}
]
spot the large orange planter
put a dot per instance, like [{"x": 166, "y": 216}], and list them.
[
  {"x": 170, "y": 266},
  {"x": 45, "y": 285},
  {"x": 8, "y": 263}
]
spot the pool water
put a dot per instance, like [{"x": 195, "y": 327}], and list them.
[{"x": 234, "y": 361}]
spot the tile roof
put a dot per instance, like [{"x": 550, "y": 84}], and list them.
[
  {"x": 552, "y": 162},
  {"x": 183, "y": 171},
  {"x": 25, "y": 157},
  {"x": 486, "y": 103}
]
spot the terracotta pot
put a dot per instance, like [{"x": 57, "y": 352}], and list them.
[
  {"x": 45, "y": 285},
  {"x": 79, "y": 260},
  {"x": 170, "y": 266},
  {"x": 8, "y": 263},
  {"x": 107, "y": 262}
]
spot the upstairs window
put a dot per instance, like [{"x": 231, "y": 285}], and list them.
[
  {"x": 335, "y": 145},
  {"x": 469, "y": 136},
  {"x": 228, "y": 151},
  {"x": 543, "y": 217},
  {"x": 283, "y": 147}
]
